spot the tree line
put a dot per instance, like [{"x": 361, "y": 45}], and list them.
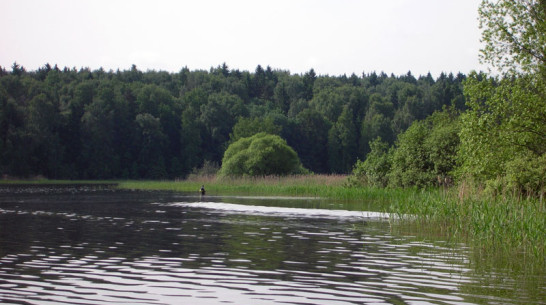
[{"x": 81, "y": 124}]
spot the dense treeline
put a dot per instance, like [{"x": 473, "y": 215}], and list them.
[{"x": 83, "y": 124}]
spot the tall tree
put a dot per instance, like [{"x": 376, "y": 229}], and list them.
[
  {"x": 151, "y": 161},
  {"x": 503, "y": 134},
  {"x": 308, "y": 83},
  {"x": 343, "y": 143},
  {"x": 312, "y": 144},
  {"x": 98, "y": 145}
]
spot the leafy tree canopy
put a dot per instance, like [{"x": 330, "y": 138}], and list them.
[
  {"x": 514, "y": 33},
  {"x": 505, "y": 126}
]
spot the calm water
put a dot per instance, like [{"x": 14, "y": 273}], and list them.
[{"x": 93, "y": 246}]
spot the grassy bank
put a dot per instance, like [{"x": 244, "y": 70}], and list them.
[{"x": 324, "y": 186}]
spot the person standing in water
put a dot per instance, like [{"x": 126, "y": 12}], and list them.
[{"x": 202, "y": 190}]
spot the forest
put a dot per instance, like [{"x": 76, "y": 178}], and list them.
[{"x": 82, "y": 124}]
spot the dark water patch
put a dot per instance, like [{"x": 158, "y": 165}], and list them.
[{"x": 27, "y": 188}]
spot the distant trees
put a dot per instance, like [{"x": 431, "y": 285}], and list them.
[
  {"x": 76, "y": 124},
  {"x": 247, "y": 127}
]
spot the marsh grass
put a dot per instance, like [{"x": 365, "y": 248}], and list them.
[
  {"x": 314, "y": 186},
  {"x": 492, "y": 225},
  {"x": 323, "y": 186}
]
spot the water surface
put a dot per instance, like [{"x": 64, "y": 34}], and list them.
[{"x": 89, "y": 245}]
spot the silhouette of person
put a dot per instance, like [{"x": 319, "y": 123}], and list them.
[{"x": 202, "y": 190}]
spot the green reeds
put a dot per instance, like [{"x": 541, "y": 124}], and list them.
[
  {"x": 324, "y": 186},
  {"x": 492, "y": 224}
]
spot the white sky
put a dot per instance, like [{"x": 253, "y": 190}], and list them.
[{"x": 332, "y": 36}]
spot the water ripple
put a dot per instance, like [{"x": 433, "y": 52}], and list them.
[{"x": 215, "y": 253}]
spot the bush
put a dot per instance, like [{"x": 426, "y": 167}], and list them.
[
  {"x": 373, "y": 171},
  {"x": 425, "y": 154},
  {"x": 261, "y": 155},
  {"x": 527, "y": 175}
]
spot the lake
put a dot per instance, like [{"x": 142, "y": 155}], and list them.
[{"x": 95, "y": 245}]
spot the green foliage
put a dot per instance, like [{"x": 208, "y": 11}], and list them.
[
  {"x": 514, "y": 33},
  {"x": 505, "y": 124},
  {"x": 260, "y": 155},
  {"x": 442, "y": 142},
  {"x": 527, "y": 174},
  {"x": 343, "y": 143},
  {"x": 247, "y": 127},
  {"x": 424, "y": 154},
  {"x": 411, "y": 163},
  {"x": 151, "y": 163},
  {"x": 330, "y": 101},
  {"x": 377, "y": 123},
  {"x": 312, "y": 140},
  {"x": 503, "y": 136},
  {"x": 82, "y": 124},
  {"x": 374, "y": 170}
]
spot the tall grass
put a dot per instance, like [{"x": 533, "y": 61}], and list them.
[
  {"x": 502, "y": 224},
  {"x": 313, "y": 185},
  {"x": 324, "y": 186}
]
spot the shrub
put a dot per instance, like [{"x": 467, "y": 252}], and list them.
[
  {"x": 425, "y": 154},
  {"x": 261, "y": 155},
  {"x": 527, "y": 175},
  {"x": 373, "y": 171}
]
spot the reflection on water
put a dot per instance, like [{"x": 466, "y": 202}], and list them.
[
  {"x": 247, "y": 209},
  {"x": 99, "y": 246}
]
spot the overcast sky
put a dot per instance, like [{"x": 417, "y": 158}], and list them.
[{"x": 332, "y": 36}]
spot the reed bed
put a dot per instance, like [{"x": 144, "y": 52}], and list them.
[
  {"x": 323, "y": 186},
  {"x": 503, "y": 224}
]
